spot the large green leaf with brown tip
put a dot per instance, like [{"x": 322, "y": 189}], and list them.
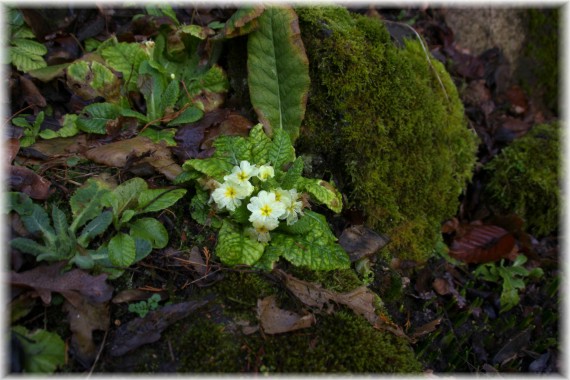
[{"x": 278, "y": 71}]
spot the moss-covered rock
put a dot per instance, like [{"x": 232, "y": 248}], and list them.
[
  {"x": 394, "y": 134},
  {"x": 525, "y": 178}
]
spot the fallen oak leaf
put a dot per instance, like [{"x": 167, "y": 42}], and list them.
[
  {"x": 274, "y": 320},
  {"x": 140, "y": 150},
  {"x": 73, "y": 285}
]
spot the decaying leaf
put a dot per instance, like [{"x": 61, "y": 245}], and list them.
[
  {"x": 29, "y": 182},
  {"x": 482, "y": 244},
  {"x": 84, "y": 318},
  {"x": 359, "y": 242},
  {"x": 131, "y": 295},
  {"x": 12, "y": 147},
  {"x": 145, "y": 330},
  {"x": 74, "y": 285},
  {"x": 56, "y": 147},
  {"x": 275, "y": 320},
  {"x": 361, "y": 300},
  {"x": 136, "y": 151}
]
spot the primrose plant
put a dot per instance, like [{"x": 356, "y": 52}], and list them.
[{"x": 252, "y": 189}]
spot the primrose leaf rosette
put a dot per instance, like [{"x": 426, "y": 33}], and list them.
[{"x": 261, "y": 206}]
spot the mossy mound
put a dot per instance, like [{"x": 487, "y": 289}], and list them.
[
  {"x": 398, "y": 130},
  {"x": 525, "y": 178}
]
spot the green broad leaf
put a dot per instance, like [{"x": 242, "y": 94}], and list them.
[
  {"x": 68, "y": 129},
  {"x": 216, "y": 25},
  {"x": 213, "y": 167},
  {"x": 150, "y": 229},
  {"x": 122, "y": 250},
  {"x": 31, "y": 130},
  {"x": 24, "y": 60},
  {"x": 281, "y": 150},
  {"x": 234, "y": 247},
  {"x": 23, "y": 32},
  {"x": 124, "y": 199},
  {"x": 44, "y": 351},
  {"x": 309, "y": 250},
  {"x": 232, "y": 149},
  {"x": 189, "y": 115},
  {"x": 260, "y": 145},
  {"x": 293, "y": 175},
  {"x": 60, "y": 223},
  {"x": 159, "y": 10},
  {"x": 243, "y": 21},
  {"x": 125, "y": 58},
  {"x": 278, "y": 71},
  {"x": 308, "y": 222},
  {"x": 158, "y": 135},
  {"x": 195, "y": 31},
  {"x": 86, "y": 203},
  {"x": 152, "y": 200},
  {"x": 19, "y": 202},
  {"x": 102, "y": 76},
  {"x": 199, "y": 208},
  {"x": 97, "y": 116},
  {"x": 170, "y": 95},
  {"x": 48, "y": 73},
  {"x": 323, "y": 192},
  {"x": 143, "y": 248},
  {"x": 186, "y": 176},
  {"x": 152, "y": 84},
  {"x": 29, "y": 246},
  {"x": 95, "y": 227},
  {"x": 91, "y": 44}
]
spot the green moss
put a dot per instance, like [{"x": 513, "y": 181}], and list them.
[
  {"x": 405, "y": 149},
  {"x": 340, "y": 280},
  {"x": 525, "y": 178}
]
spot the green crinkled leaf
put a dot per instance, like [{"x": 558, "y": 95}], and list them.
[
  {"x": 59, "y": 222},
  {"x": 195, "y": 31},
  {"x": 323, "y": 192},
  {"x": 137, "y": 115},
  {"x": 158, "y": 135},
  {"x": 24, "y": 61},
  {"x": 122, "y": 252},
  {"x": 310, "y": 250},
  {"x": 95, "y": 227},
  {"x": 232, "y": 149},
  {"x": 189, "y": 115},
  {"x": 125, "y": 58},
  {"x": 97, "y": 116},
  {"x": 199, "y": 208},
  {"x": 281, "y": 150},
  {"x": 260, "y": 145},
  {"x": 29, "y": 46},
  {"x": 308, "y": 222},
  {"x": 278, "y": 71},
  {"x": 150, "y": 229},
  {"x": 152, "y": 200},
  {"x": 102, "y": 76},
  {"x": 44, "y": 351},
  {"x": 214, "y": 80},
  {"x": 212, "y": 167},
  {"x": 86, "y": 203},
  {"x": 268, "y": 260},
  {"x": 29, "y": 246},
  {"x": 291, "y": 178},
  {"x": 187, "y": 176},
  {"x": 38, "y": 221},
  {"x": 234, "y": 247},
  {"x": 152, "y": 85}
]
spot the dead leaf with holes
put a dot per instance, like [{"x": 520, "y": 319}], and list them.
[
  {"x": 135, "y": 152},
  {"x": 274, "y": 320}
]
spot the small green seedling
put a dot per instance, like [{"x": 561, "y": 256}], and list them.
[
  {"x": 24, "y": 52},
  {"x": 512, "y": 277},
  {"x": 142, "y": 308}
]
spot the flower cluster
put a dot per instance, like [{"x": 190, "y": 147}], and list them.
[{"x": 267, "y": 207}]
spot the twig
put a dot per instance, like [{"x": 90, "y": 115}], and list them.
[{"x": 98, "y": 354}]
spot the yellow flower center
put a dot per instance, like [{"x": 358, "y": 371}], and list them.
[
  {"x": 265, "y": 210},
  {"x": 230, "y": 192},
  {"x": 242, "y": 176}
]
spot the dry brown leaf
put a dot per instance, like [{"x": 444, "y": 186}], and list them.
[
  {"x": 84, "y": 318},
  {"x": 427, "y": 328},
  {"x": 274, "y": 320},
  {"x": 73, "y": 285},
  {"x": 12, "y": 148},
  {"x": 139, "y": 150},
  {"x": 482, "y": 244},
  {"x": 145, "y": 330},
  {"x": 29, "y": 182},
  {"x": 359, "y": 242},
  {"x": 361, "y": 300}
]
